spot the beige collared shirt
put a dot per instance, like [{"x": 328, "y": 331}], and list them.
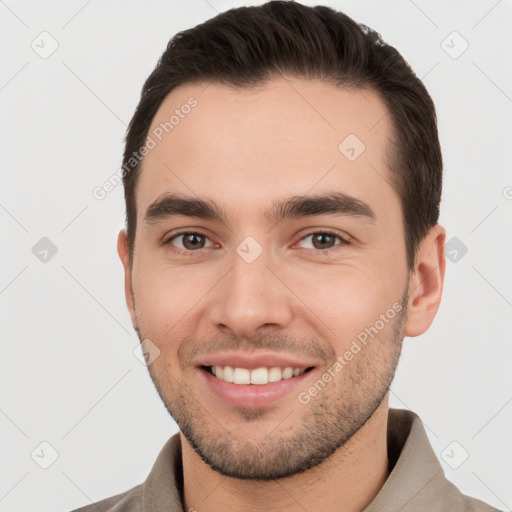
[{"x": 415, "y": 484}]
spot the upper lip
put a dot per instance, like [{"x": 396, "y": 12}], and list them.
[{"x": 252, "y": 361}]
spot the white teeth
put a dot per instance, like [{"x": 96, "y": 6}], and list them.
[
  {"x": 242, "y": 376},
  {"x": 275, "y": 374},
  {"x": 288, "y": 372},
  {"x": 229, "y": 374},
  {"x": 257, "y": 376}
]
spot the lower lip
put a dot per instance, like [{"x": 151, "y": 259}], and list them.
[{"x": 253, "y": 395}]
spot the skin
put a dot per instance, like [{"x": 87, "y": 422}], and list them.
[{"x": 243, "y": 149}]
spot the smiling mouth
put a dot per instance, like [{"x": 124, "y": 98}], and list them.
[{"x": 256, "y": 376}]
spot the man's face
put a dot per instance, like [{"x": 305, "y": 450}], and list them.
[{"x": 252, "y": 290}]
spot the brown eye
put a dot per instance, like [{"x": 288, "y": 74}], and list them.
[
  {"x": 193, "y": 241},
  {"x": 190, "y": 242},
  {"x": 324, "y": 241}
]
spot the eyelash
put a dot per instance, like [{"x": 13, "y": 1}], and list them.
[{"x": 343, "y": 240}]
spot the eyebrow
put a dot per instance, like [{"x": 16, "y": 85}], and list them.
[{"x": 330, "y": 203}]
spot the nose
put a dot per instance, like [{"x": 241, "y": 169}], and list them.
[{"x": 251, "y": 299}]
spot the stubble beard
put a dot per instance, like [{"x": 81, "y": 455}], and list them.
[{"x": 325, "y": 424}]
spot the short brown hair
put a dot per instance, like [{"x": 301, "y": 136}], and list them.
[{"x": 245, "y": 46}]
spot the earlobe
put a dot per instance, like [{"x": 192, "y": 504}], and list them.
[
  {"x": 426, "y": 283},
  {"x": 124, "y": 255}
]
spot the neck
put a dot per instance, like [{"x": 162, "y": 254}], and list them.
[{"x": 348, "y": 480}]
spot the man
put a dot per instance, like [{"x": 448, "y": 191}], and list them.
[{"x": 282, "y": 181}]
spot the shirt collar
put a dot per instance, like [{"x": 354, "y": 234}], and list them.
[{"x": 416, "y": 481}]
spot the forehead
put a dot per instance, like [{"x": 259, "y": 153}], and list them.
[{"x": 286, "y": 137}]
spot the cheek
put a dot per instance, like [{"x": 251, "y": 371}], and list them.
[
  {"x": 165, "y": 297},
  {"x": 347, "y": 298}
]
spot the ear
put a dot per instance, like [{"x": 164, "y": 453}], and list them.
[
  {"x": 426, "y": 283},
  {"x": 124, "y": 254}
]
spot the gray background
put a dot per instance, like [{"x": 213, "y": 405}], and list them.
[{"x": 69, "y": 376}]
